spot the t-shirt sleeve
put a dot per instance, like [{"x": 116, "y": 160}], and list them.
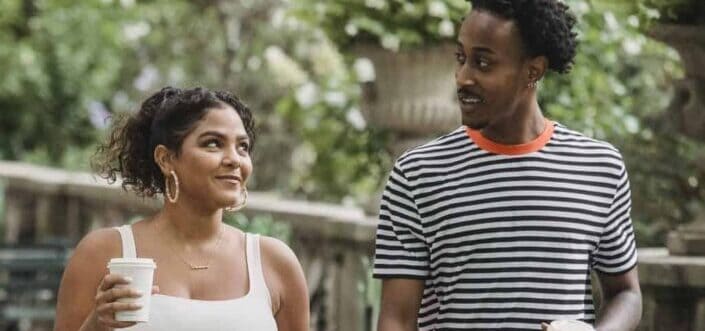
[
  {"x": 400, "y": 247},
  {"x": 616, "y": 253}
]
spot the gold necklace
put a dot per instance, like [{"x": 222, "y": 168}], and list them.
[{"x": 207, "y": 264}]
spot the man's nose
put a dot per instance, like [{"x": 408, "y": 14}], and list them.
[{"x": 464, "y": 75}]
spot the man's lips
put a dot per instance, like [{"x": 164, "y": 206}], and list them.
[{"x": 469, "y": 98}]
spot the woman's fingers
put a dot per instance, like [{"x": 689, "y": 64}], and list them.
[
  {"x": 112, "y": 323},
  {"x": 106, "y": 313},
  {"x": 113, "y": 307},
  {"x": 115, "y": 293},
  {"x": 110, "y": 280}
]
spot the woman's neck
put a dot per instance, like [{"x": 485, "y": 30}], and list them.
[{"x": 188, "y": 223}]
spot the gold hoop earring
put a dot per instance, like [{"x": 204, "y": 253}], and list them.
[
  {"x": 237, "y": 207},
  {"x": 167, "y": 192}
]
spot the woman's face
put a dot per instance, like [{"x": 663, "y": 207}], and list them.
[{"x": 214, "y": 162}]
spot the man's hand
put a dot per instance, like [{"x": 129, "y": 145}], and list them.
[{"x": 547, "y": 327}]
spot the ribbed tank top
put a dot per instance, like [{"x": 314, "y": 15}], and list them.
[{"x": 250, "y": 312}]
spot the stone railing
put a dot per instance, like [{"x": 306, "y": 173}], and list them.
[{"x": 332, "y": 242}]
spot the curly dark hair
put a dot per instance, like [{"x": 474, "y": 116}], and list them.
[
  {"x": 546, "y": 28},
  {"x": 165, "y": 118}
]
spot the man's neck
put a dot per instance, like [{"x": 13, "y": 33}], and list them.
[{"x": 523, "y": 126}]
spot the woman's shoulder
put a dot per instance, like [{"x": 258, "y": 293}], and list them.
[
  {"x": 100, "y": 244},
  {"x": 277, "y": 253}
]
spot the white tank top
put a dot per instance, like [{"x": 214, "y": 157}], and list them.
[{"x": 248, "y": 313}]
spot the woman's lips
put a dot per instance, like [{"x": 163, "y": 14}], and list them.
[{"x": 230, "y": 179}]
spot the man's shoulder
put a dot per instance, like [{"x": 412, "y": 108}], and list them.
[
  {"x": 447, "y": 143},
  {"x": 566, "y": 137}
]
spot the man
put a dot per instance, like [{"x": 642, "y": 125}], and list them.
[{"x": 498, "y": 224}]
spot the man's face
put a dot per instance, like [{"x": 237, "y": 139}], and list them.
[{"x": 491, "y": 73}]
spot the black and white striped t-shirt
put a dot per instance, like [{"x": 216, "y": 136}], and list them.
[{"x": 505, "y": 236}]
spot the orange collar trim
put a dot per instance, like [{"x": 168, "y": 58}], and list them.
[{"x": 525, "y": 148}]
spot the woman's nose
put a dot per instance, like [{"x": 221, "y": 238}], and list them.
[{"x": 231, "y": 158}]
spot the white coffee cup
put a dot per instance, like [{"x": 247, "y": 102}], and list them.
[
  {"x": 141, "y": 270},
  {"x": 571, "y": 325}
]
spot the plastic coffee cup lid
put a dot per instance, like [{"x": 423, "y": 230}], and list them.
[
  {"x": 137, "y": 262},
  {"x": 571, "y": 325}
]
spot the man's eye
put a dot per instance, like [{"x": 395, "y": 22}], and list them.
[
  {"x": 482, "y": 63},
  {"x": 460, "y": 57}
]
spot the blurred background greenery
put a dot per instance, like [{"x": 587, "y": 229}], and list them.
[{"x": 67, "y": 66}]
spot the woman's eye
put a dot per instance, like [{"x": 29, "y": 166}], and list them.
[
  {"x": 212, "y": 144},
  {"x": 460, "y": 57},
  {"x": 244, "y": 146}
]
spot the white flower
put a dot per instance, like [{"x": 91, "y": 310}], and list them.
[
  {"x": 355, "y": 118},
  {"x": 27, "y": 56},
  {"x": 287, "y": 72},
  {"x": 307, "y": 95},
  {"x": 98, "y": 114},
  {"x": 147, "y": 78},
  {"x": 438, "y": 9},
  {"x": 611, "y": 21},
  {"x": 121, "y": 101},
  {"x": 351, "y": 29},
  {"x": 446, "y": 28},
  {"x": 277, "y": 18},
  {"x": 409, "y": 8},
  {"x": 376, "y": 4},
  {"x": 127, "y": 3},
  {"x": 632, "y": 46},
  {"x": 391, "y": 42},
  {"x": 633, "y": 21},
  {"x": 303, "y": 157},
  {"x": 335, "y": 98},
  {"x": 136, "y": 31},
  {"x": 631, "y": 124},
  {"x": 254, "y": 63},
  {"x": 581, "y": 8},
  {"x": 326, "y": 60},
  {"x": 176, "y": 75},
  {"x": 364, "y": 70}
]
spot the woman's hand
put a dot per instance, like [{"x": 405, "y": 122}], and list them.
[{"x": 112, "y": 288}]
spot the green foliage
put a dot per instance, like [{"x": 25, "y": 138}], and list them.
[
  {"x": 339, "y": 157},
  {"x": 66, "y": 64},
  {"x": 394, "y": 24},
  {"x": 617, "y": 91},
  {"x": 55, "y": 58},
  {"x": 650, "y": 11},
  {"x": 261, "y": 224}
]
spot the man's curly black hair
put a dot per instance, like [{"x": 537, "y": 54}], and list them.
[{"x": 546, "y": 28}]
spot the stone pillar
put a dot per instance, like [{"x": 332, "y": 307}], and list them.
[
  {"x": 412, "y": 93},
  {"x": 686, "y": 114},
  {"x": 673, "y": 291}
]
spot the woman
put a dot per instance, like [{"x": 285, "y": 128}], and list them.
[{"x": 194, "y": 147}]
